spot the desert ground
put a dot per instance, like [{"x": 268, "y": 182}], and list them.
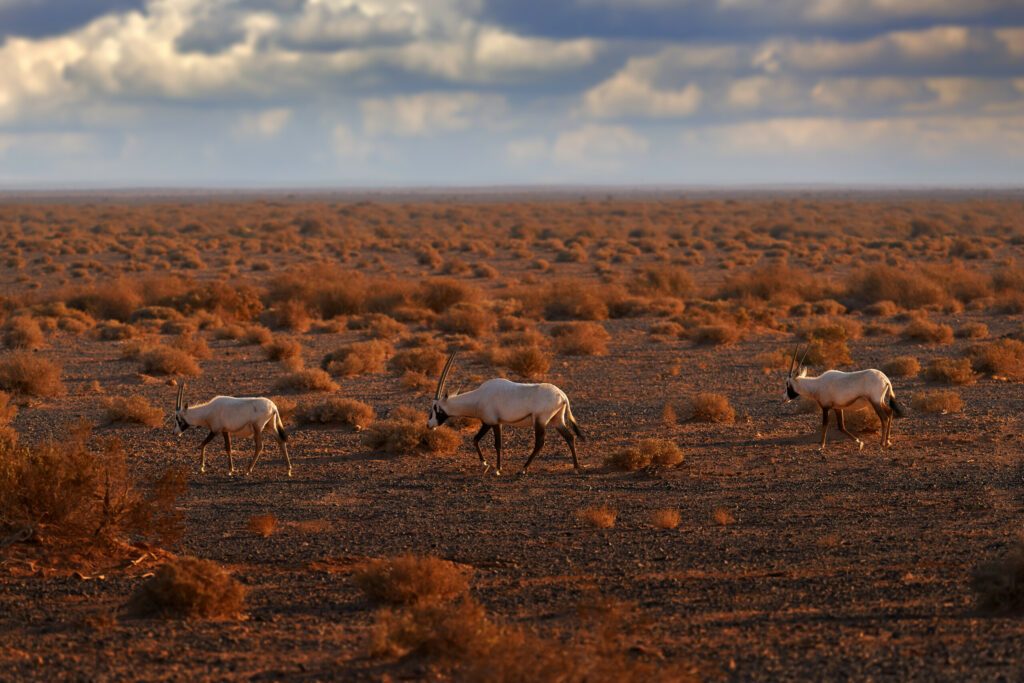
[{"x": 707, "y": 538}]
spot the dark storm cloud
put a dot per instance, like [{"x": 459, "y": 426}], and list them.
[{"x": 40, "y": 18}]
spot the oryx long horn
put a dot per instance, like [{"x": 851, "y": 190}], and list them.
[
  {"x": 177, "y": 399},
  {"x": 444, "y": 376},
  {"x": 804, "y": 357},
  {"x": 792, "y": 361}
]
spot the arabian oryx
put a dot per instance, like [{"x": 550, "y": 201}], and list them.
[
  {"x": 836, "y": 390},
  {"x": 229, "y": 416},
  {"x": 499, "y": 402}
]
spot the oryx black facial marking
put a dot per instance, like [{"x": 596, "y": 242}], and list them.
[
  {"x": 440, "y": 415},
  {"x": 182, "y": 423},
  {"x": 791, "y": 392}
]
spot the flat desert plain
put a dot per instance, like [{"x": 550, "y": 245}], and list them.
[{"x": 707, "y": 537}]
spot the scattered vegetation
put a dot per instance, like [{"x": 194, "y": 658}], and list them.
[
  {"x": 600, "y": 517},
  {"x": 1003, "y": 357},
  {"x": 306, "y": 379},
  {"x": 29, "y": 374},
  {"x": 406, "y": 432},
  {"x": 166, "y": 360},
  {"x": 951, "y": 371},
  {"x": 667, "y": 518},
  {"x": 132, "y": 410},
  {"x": 263, "y": 525},
  {"x": 358, "y": 358},
  {"x": 189, "y": 587},
  {"x": 412, "y": 579},
  {"x": 337, "y": 410},
  {"x": 902, "y": 366},
  {"x": 647, "y": 453},
  {"x": 923, "y": 330},
  {"x": 580, "y": 339},
  {"x": 938, "y": 401},
  {"x": 709, "y": 407}
]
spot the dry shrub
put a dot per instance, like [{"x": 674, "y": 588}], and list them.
[
  {"x": 306, "y": 379},
  {"x": 165, "y": 360},
  {"x": 412, "y": 579},
  {"x": 406, "y": 432},
  {"x": 112, "y": 300},
  {"x": 264, "y": 525},
  {"x": 666, "y": 518},
  {"x": 571, "y": 300},
  {"x": 827, "y": 346},
  {"x": 189, "y": 587},
  {"x": 447, "y": 631},
  {"x": 647, "y": 453},
  {"x": 466, "y": 318},
  {"x": 26, "y": 373},
  {"x": 426, "y": 361},
  {"x": 440, "y": 294},
  {"x": 723, "y": 517},
  {"x": 600, "y": 517},
  {"x": 358, "y": 358},
  {"x": 283, "y": 348},
  {"x": 8, "y": 435},
  {"x": 113, "y": 330},
  {"x": 908, "y": 288},
  {"x": 580, "y": 339},
  {"x": 23, "y": 332},
  {"x": 998, "y": 583},
  {"x": 666, "y": 280},
  {"x": 778, "y": 284},
  {"x": 289, "y": 315},
  {"x": 882, "y": 309},
  {"x": 1003, "y": 357},
  {"x": 972, "y": 331},
  {"x": 133, "y": 410},
  {"x": 81, "y": 493},
  {"x": 192, "y": 344},
  {"x": 229, "y": 333},
  {"x": 938, "y": 401},
  {"x": 926, "y": 331},
  {"x": 258, "y": 335},
  {"x": 715, "y": 335},
  {"x": 709, "y": 407},
  {"x": 902, "y": 366},
  {"x": 335, "y": 410},
  {"x": 528, "y": 361},
  {"x": 951, "y": 371}
]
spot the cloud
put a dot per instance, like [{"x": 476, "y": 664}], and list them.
[
  {"x": 347, "y": 145},
  {"x": 626, "y": 94},
  {"x": 265, "y": 124},
  {"x": 429, "y": 113},
  {"x": 599, "y": 146}
]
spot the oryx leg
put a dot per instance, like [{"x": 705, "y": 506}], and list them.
[
  {"x": 885, "y": 418},
  {"x": 824, "y": 427},
  {"x": 539, "y": 430},
  {"x": 257, "y": 435},
  {"x": 570, "y": 439},
  {"x": 842, "y": 427},
  {"x": 484, "y": 428},
  {"x": 202, "y": 449},
  {"x": 497, "y": 447},
  {"x": 231, "y": 458},
  {"x": 282, "y": 447}
]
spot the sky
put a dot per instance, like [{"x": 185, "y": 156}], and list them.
[{"x": 366, "y": 93}]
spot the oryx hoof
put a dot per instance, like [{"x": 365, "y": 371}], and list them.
[
  {"x": 289, "y": 473},
  {"x": 523, "y": 472},
  {"x": 497, "y": 473},
  {"x": 860, "y": 445}
]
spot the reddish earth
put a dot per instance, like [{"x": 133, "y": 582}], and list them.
[{"x": 848, "y": 565}]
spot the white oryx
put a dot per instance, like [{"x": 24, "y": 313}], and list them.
[
  {"x": 836, "y": 390},
  {"x": 229, "y": 416},
  {"x": 499, "y": 402}
]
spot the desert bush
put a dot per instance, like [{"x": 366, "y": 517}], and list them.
[
  {"x": 715, "y": 335},
  {"x": 567, "y": 300},
  {"x": 938, "y": 401},
  {"x": 723, "y": 517},
  {"x": 445, "y": 630},
  {"x": 647, "y": 453},
  {"x": 908, "y": 288},
  {"x": 192, "y": 344},
  {"x": 709, "y": 407},
  {"x": 972, "y": 331},
  {"x": 114, "y": 330},
  {"x": 23, "y": 332},
  {"x": 882, "y": 309},
  {"x": 412, "y": 579},
  {"x": 29, "y": 374},
  {"x": 951, "y": 371},
  {"x": 580, "y": 339},
  {"x": 114, "y": 300},
  {"x": 189, "y": 587},
  {"x": 998, "y": 583},
  {"x": 8, "y": 435},
  {"x": 358, "y": 358},
  {"x": 165, "y": 360},
  {"x": 427, "y": 361},
  {"x": 1003, "y": 357},
  {"x": 263, "y": 525},
  {"x": 336, "y": 410},
  {"x": 132, "y": 410},
  {"x": 466, "y": 318},
  {"x": 600, "y": 517},
  {"x": 778, "y": 284},
  {"x": 406, "y": 432},
  {"x": 529, "y": 362},
  {"x": 283, "y": 348},
  {"x": 923, "y": 330},
  {"x": 665, "y": 519},
  {"x": 232, "y": 332},
  {"x": 289, "y": 315},
  {"x": 665, "y": 280},
  {"x": 306, "y": 379},
  {"x": 440, "y": 294},
  {"x": 902, "y": 366},
  {"x": 258, "y": 335}
]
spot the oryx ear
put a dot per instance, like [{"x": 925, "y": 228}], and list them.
[{"x": 446, "y": 395}]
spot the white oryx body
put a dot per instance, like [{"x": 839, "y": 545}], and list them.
[
  {"x": 233, "y": 416},
  {"x": 499, "y": 402},
  {"x": 837, "y": 390}
]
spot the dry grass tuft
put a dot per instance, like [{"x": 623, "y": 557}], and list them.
[
  {"x": 412, "y": 579},
  {"x": 447, "y": 631},
  {"x": 426, "y": 361},
  {"x": 306, "y": 379},
  {"x": 709, "y": 407},
  {"x": 263, "y": 525},
  {"x": 165, "y": 360},
  {"x": 940, "y": 401},
  {"x": 972, "y": 331},
  {"x": 358, "y": 358},
  {"x": 469, "y": 319},
  {"x": 998, "y": 583},
  {"x": 715, "y": 335},
  {"x": 723, "y": 517},
  {"x": 283, "y": 348},
  {"x": 23, "y": 332},
  {"x": 335, "y": 410},
  {"x": 902, "y": 366},
  {"x": 132, "y": 410},
  {"x": 580, "y": 339},
  {"x": 528, "y": 361},
  {"x": 23, "y": 372},
  {"x": 600, "y": 517},
  {"x": 1003, "y": 357},
  {"x": 406, "y": 432},
  {"x": 647, "y": 453},
  {"x": 951, "y": 371},
  {"x": 928, "y": 332},
  {"x": 189, "y": 587},
  {"x": 665, "y": 519}
]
